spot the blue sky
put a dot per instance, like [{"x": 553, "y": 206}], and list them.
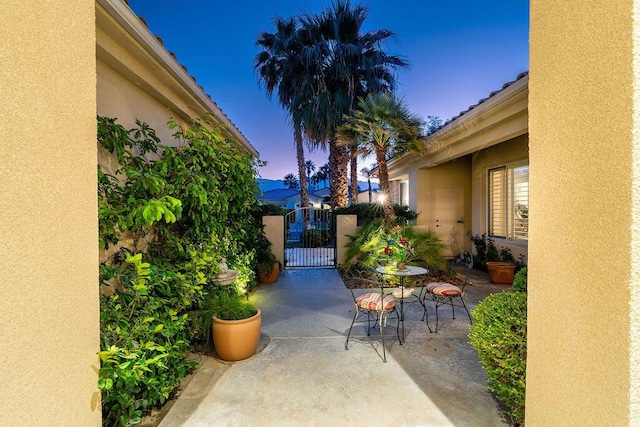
[{"x": 459, "y": 52}]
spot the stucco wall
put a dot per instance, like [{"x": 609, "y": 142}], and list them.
[
  {"x": 583, "y": 317},
  {"x": 346, "y": 225},
  {"x": 511, "y": 151},
  {"x": 120, "y": 98},
  {"x": 49, "y": 332},
  {"x": 455, "y": 174},
  {"x": 274, "y": 231}
]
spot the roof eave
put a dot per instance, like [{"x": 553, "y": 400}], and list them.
[{"x": 123, "y": 14}]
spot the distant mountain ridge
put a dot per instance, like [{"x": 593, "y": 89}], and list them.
[{"x": 274, "y": 184}]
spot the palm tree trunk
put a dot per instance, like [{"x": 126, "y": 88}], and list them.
[
  {"x": 385, "y": 189},
  {"x": 369, "y": 183},
  {"x": 338, "y": 183},
  {"x": 304, "y": 189},
  {"x": 354, "y": 176}
]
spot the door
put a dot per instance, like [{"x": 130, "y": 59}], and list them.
[{"x": 449, "y": 219}]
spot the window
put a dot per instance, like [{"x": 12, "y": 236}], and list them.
[{"x": 509, "y": 201}]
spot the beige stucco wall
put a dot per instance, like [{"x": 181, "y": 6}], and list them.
[
  {"x": 584, "y": 307},
  {"x": 274, "y": 232},
  {"x": 514, "y": 150},
  {"x": 455, "y": 174},
  {"x": 49, "y": 327},
  {"x": 346, "y": 225}
]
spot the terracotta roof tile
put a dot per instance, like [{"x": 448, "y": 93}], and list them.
[{"x": 491, "y": 95}]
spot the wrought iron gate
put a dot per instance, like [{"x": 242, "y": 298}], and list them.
[{"x": 310, "y": 238}]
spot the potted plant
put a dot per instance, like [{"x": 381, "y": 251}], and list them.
[
  {"x": 268, "y": 266},
  {"x": 236, "y": 327},
  {"x": 501, "y": 272}
]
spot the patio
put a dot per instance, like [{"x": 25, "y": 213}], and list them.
[{"x": 302, "y": 374}]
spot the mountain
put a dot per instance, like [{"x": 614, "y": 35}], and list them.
[{"x": 273, "y": 184}]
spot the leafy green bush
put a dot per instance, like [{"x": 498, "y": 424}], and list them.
[
  {"x": 313, "y": 238},
  {"x": 486, "y": 251},
  {"x": 144, "y": 339},
  {"x": 368, "y": 212},
  {"x": 520, "y": 280},
  {"x": 499, "y": 335},
  {"x": 190, "y": 208},
  {"x": 270, "y": 209},
  {"x": 231, "y": 307}
]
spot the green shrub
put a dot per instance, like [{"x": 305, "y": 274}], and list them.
[
  {"x": 231, "y": 307},
  {"x": 270, "y": 209},
  {"x": 368, "y": 212},
  {"x": 520, "y": 280},
  {"x": 144, "y": 339},
  {"x": 191, "y": 207},
  {"x": 499, "y": 335},
  {"x": 314, "y": 238},
  {"x": 486, "y": 251}
]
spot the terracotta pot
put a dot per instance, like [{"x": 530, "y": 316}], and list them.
[
  {"x": 268, "y": 277},
  {"x": 237, "y": 339},
  {"x": 501, "y": 272}
]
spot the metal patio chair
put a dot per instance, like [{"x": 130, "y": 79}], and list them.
[
  {"x": 443, "y": 293},
  {"x": 377, "y": 306}
]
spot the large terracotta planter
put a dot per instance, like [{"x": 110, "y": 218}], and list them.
[
  {"x": 268, "y": 277},
  {"x": 501, "y": 272},
  {"x": 237, "y": 339}
]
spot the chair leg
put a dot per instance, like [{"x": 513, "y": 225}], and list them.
[
  {"x": 453, "y": 310},
  {"x": 384, "y": 348},
  {"x": 465, "y": 307},
  {"x": 355, "y": 316},
  {"x": 425, "y": 315}
]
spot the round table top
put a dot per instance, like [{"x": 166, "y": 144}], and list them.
[{"x": 410, "y": 270}]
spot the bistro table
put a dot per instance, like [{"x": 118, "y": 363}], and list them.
[{"x": 408, "y": 271}]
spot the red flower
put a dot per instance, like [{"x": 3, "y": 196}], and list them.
[
  {"x": 404, "y": 241},
  {"x": 387, "y": 250}
]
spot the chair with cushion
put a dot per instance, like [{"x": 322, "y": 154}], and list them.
[
  {"x": 376, "y": 306},
  {"x": 443, "y": 293}
]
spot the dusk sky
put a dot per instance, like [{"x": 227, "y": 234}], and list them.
[{"x": 459, "y": 52}]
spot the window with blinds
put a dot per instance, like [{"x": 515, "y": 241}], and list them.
[
  {"x": 509, "y": 201},
  {"x": 498, "y": 202}
]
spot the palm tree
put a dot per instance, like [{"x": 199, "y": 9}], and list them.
[
  {"x": 323, "y": 174},
  {"x": 310, "y": 167},
  {"x": 356, "y": 149},
  {"x": 278, "y": 65},
  {"x": 387, "y": 126},
  {"x": 340, "y": 63},
  {"x": 290, "y": 181},
  {"x": 368, "y": 173}
]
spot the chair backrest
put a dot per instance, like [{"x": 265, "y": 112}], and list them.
[
  {"x": 368, "y": 275},
  {"x": 465, "y": 258}
]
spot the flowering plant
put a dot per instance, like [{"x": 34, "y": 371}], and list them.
[{"x": 398, "y": 246}]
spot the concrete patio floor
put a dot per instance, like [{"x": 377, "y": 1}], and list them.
[{"x": 302, "y": 375}]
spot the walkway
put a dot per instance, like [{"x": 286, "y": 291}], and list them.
[{"x": 302, "y": 376}]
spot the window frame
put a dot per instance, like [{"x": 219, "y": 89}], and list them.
[{"x": 508, "y": 196}]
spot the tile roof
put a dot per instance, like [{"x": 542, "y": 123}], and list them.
[
  {"x": 173, "y": 55},
  {"x": 280, "y": 193},
  {"x": 491, "y": 95}
]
